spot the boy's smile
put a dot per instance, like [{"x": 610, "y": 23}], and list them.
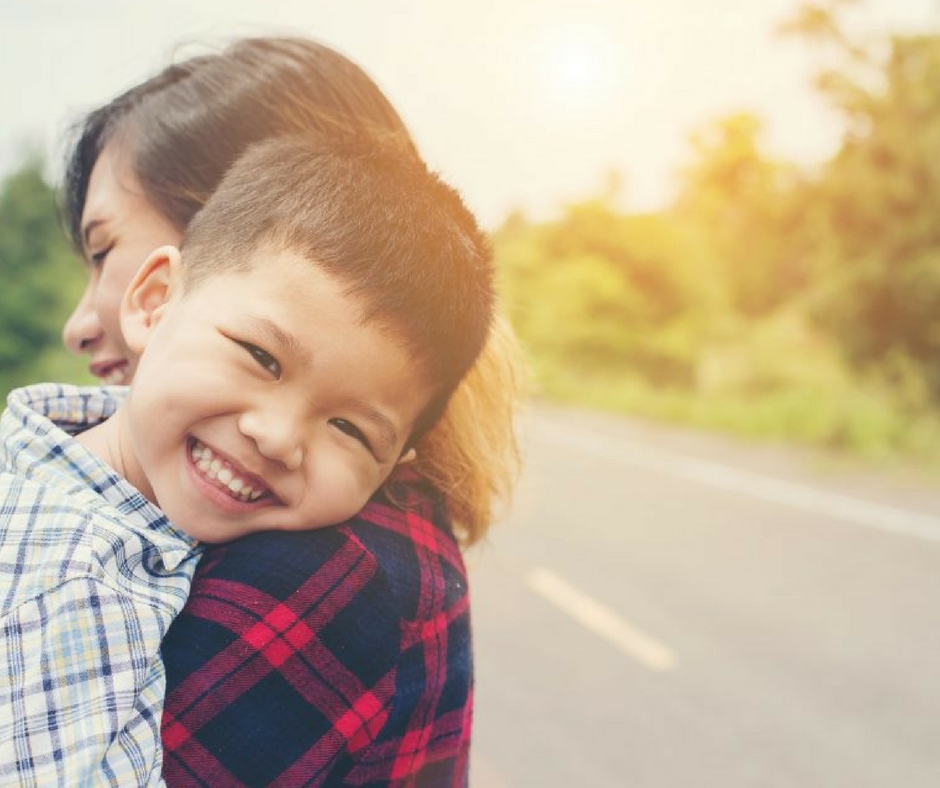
[
  {"x": 261, "y": 400},
  {"x": 226, "y": 476}
]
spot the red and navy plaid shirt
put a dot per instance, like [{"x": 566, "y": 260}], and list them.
[{"x": 333, "y": 657}]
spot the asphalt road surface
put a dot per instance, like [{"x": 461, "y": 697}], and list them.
[{"x": 665, "y": 609}]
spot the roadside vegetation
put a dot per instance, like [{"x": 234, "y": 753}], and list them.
[{"x": 767, "y": 300}]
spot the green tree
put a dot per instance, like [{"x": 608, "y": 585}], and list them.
[
  {"x": 41, "y": 277},
  {"x": 597, "y": 291},
  {"x": 879, "y": 197},
  {"x": 745, "y": 209}
]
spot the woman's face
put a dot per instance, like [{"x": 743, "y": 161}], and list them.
[{"x": 120, "y": 229}]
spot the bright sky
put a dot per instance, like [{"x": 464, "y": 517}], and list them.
[{"x": 519, "y": 103}]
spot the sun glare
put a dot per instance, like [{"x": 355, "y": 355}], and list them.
[
  {"x": 578, "y": 70},
  {"x": 577, "y": 65}
]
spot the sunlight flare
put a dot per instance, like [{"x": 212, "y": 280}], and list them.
[{"x": 578, "y": 65}]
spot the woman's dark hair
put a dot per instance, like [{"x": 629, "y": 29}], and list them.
[{"x": 182, "y": 129}]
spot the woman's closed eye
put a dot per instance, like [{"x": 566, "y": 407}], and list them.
[
  {"x": 353, "y": 431},
  {"x": 96, "y": 259},
  {"x": 264, "y": 359}
]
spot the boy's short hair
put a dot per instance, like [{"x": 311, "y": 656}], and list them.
[{"x": 371, "y": 214}]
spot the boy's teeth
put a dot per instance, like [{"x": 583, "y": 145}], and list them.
[{"x": 214, "y": 468}]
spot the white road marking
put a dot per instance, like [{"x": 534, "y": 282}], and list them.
[
  {"x": 601, "y": 620},
  {"x": 766, "y": 488}
]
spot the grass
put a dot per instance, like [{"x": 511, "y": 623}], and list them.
[{"x": 856, "y": 418}]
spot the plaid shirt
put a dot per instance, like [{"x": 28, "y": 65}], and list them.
[
  {"x": 91, "y": 574},
  {"x": 332, "y": 657}
]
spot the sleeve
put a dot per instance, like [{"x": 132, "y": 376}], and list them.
[
  {"x": 80, "y": 686},
  {"x": 282, "y": 667}
]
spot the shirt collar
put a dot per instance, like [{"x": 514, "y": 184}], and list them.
[{"x": 38, "y": 428}]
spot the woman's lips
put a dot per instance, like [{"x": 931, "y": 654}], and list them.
[{"x": 114, "y": 373}]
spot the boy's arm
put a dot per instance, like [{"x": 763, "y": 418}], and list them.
[{"x": 79, "y": 689}]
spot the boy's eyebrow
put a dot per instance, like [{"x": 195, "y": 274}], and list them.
[
  {"x": 388, "y": 432},
  {"x": 277, "y": 335}
]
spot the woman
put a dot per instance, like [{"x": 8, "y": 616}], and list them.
[{"x": 339, "y": 656}]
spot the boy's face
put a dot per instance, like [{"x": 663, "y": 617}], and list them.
[{"x": 260, "y": 401}]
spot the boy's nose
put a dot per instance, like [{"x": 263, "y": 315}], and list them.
[{"x": 276, "y": 435}]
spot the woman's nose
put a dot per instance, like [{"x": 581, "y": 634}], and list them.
[
  {"x": 83, "y": 329},
  {"x": 276, "y": 434}
]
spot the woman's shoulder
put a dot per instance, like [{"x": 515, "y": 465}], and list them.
[
  {"x": 357, "y": 636},
  {"x": 405, "y": 528},
  {"x": 401, "y": 541}
]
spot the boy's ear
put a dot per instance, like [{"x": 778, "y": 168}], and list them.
[{"x": 148, "y": 294}]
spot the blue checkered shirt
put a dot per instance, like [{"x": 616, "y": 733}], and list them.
[{"x": 91, "y": 575}]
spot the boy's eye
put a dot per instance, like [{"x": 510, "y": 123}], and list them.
[
  {"x": 264, "y": 359},
  {"x": 352, "y": 430}
]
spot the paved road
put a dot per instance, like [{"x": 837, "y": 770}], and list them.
[{"x": 667, "y": 610}]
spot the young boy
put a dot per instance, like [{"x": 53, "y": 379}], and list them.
[{"x": 326, "y": 302}]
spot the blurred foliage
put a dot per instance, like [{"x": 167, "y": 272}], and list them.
[
  {"x": 766, "y": 299},
  {"x": 42, "y": 279},
  {"x": 879, "y": 201}
]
